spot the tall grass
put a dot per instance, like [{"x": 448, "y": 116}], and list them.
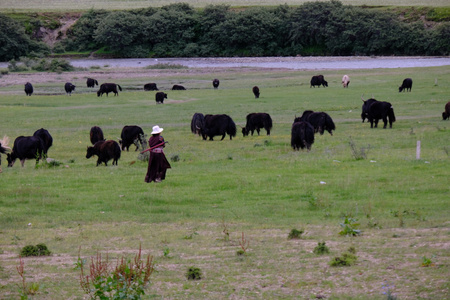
[{"x": 258, "y": 185}]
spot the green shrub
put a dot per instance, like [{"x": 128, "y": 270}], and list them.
[
  {"x": 295, "y": 234},
  {"x": 38, "y": 250},
  {"x": 321, "y": 248},
  {"x": 194, "y": 273},
  {"x": 346, "y": 259}
]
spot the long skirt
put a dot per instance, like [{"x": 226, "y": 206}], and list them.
[{"x": 157, "y": 167}]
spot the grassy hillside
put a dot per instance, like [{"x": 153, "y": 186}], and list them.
[{"x": 217, "y": 190}]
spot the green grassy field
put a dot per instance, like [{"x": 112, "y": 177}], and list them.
[
  {"x": 80, "y": 5},
  {"x": 255, "y": 185}
]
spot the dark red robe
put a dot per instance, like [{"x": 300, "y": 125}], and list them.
[{"x": 157, "y": 163}]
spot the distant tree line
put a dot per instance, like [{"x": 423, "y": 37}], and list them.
[{"x": 314, "y": 28}]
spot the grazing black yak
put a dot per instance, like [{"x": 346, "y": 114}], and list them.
[
  {"x": 216, "y": 83},
  {"x": 302, "y": 135},
  {"x": 150, "y": 87},
  {"x": 218, "y": 125},
  {"x": 197, "y": 123},
  {"x": 177, "y": 87},
  {"x": 69, "y": 87},
  {"x": 26, "y": 147},
  {"x": 28, "y": 89},
  {"x": 105, "y": 150},
  {"x": 318, "y": 80},
  {"x": 91, "y": 82},
  {"x": 108, "y": 88},
  {"x": 255, "y": 91},
  {"x": 321, "y": 121},
  {"x": 406, "y": 85},
  {"x": 96, "y": 135},
  {"x": 256, "y": 121},
  {"x": 375, "y": 110},
  {"x": 131, "y": 134},
  {"x": 160, "y": 96}
]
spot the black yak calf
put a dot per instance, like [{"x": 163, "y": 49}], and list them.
[
  {"x": 406, "y": 85},
  {"x": 131, "y": 134},
  {"x": 105, "y": 150},
  {"x": 96, "y": 135},
  {"x": 197, "y": 123},
  {"x": 26, "y": 147},
  {"x": 216, "y": 83},
  {"x": 318, "y": 80},
  {"x": 90, "y": 82},
  {"x": 159, "y": 97},
  {"x": 28, "y": 89},
  {"x": 108, "y": 88},
  {"x": 150, "y": 87},
  {"x": 69, "y": 87},
  {"x": 256, "y": 121},
  {"x": 218, "y": 125},
  {"x": 302, "y": 135},
  {"x": 321, "y": 121},
  {"x": 255, "y": 91},
  {"x": 375, "y": 110},
  {"x": 446, "y": 113}
]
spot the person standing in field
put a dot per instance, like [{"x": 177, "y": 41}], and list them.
[{"x": 157, "y": 163}]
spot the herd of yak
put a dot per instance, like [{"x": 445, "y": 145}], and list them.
[{"x": 206, "y": 126}]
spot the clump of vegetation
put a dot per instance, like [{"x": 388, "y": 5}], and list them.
[
  {"x": 358, "y": 153},
  {"x": 346, "y": 259},
  {"x": 427, "y": 262},
  {"x": 295, "y": 234},
  {"x": 244, "y": 246},
  {"x": 38, "y": 250},
  {"x": 26, "y": 289},
  {"x": 175, "y": 158},
  {"x": 321, "y": 249},
  {"x": 194, "y": 273},
  {"x": 350, "y": 226},
  {"x": 127, "y": 280}
]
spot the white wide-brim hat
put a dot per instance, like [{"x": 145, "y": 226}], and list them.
[{"x": 157, "y": 129}]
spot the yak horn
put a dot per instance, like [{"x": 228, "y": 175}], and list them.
[{"x": 362, "y": 98}]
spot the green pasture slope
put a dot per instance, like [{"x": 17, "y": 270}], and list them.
[
  {"x": 82, "y": 5},
  {"x": 255, "y": 185}
]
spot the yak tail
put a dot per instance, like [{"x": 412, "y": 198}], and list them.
[
  {"x": 120, "y": 89},
  {"x": 95, "y": 81},
  {"x": 329, "y": 123},
  {"x": 231, "y": 129},
  {"x": 268, "y": 122},
  {"x": 391, "y": 114}
]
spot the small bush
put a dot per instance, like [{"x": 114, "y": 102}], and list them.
[
  {"x": 38, "y": 250},
  {"x": 175, "y": 158},
  {"x": 321, "y": 248},
  {"x": 194, "y": 273},
  {"x": 350, "y": 226},
  {"x": 4, "y": 71},
  {"x": 345, "y": 260},
  {"x": 295, "y": 234}
]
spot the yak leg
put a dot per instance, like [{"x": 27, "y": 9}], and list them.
[
  {"x": 385, "y": 122},
  {"x": 257, "y": 130},
  {"x": 22, "y": 161},
  {"x": 223, "y": 136}
]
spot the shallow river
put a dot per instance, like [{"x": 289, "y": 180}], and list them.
[{"x": 306, "y": 63}]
